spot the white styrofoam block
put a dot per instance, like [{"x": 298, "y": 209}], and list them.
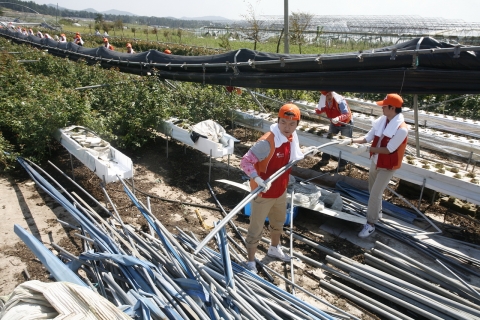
[
  {"x": 105, "y": 168},
  {"x": 206, "y": 146}
]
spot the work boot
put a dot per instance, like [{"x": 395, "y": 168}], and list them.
[
  {"x": 277, "y": 252},
  {"x": 366, "y": 231}
]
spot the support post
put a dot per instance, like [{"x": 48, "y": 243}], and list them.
[
  {"x": 421, "y": 193},
  {"x": 469, "y": 159},
  {"x": 285, "y": 23},
  {"x": 133, "y": 182},
  {"x": 339, "y": 160},
  {"x": 104, "y": 182},
  {"x": 210, "y": 166},
  {"x": 228, "y": 165},
  {"x": 71, "y": 163},
  {"x": 417, "y": 135}
]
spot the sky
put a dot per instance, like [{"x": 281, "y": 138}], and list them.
[{"x": 466, "y": 10}]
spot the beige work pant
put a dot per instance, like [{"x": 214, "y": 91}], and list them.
[
  {"x": 261, "y": 208},
  {"x": 378, "y": 180}
]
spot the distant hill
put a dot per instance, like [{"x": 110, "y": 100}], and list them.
[
  {"x": 206, "y": 18},
  {"x": 89, "y": 10},
  {"x": 112, "y": 11},
  {"x": 118, "y": 12}
]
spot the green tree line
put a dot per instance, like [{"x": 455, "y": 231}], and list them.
[
  {"x": 38, "y": 98},
  {"x": 17, "y": 5}
]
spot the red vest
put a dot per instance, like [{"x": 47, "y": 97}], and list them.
[
  {"x": 276, "y": 159},
  {"x": 391, "y": 161},
  {"x": 334, "y": 112}
]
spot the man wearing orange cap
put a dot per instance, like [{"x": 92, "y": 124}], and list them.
[
  {"x": 271, "y": 152},
  {"x": 129, "y": 48},
  {"x": 388, "y": 135},
  {"x": 107, "y": 45},
  {"x": 337, "y": 110}
]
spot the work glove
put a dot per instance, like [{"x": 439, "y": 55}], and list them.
[
  {"x": 318, "y": 111},
  {"x": 335, "y": 120},
  {"x": 345, "y": 142},
  {"x": 262, "y": 183},
  {"x": 311, "y": 151},
  {"x": 360, "y": 150}
]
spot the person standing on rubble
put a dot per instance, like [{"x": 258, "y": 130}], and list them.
[
  {"x": 340, "y": 116},
  {"x": 389, "y": 135},
  {"x": 271, "y": 152}
]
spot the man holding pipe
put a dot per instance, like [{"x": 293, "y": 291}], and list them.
[{"x": 270, "y": 153}]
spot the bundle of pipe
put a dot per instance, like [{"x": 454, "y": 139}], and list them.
[
  {"x": 415, "y": 295},
  {"x": 160, "y": 278}
]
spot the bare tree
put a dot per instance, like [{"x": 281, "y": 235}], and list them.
[
  {"x": 106, "y": 27},
  {"x": 179, "y": 34},
  {"x": 166, "y": 34},
  {"x": 146, "y": 32},
  {"x": 299, "y": 22},
  {"x": 254, "y": 29},
  {"x": 155, "y": 32},
  {"x": 133, "y": 30},
  {"x": 118, "y": 24}
]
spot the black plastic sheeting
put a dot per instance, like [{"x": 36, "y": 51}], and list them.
[{"x": 432, "y": 73}]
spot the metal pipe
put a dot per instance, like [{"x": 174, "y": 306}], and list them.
[
  {"x": 416, "y": 210},
  {"x": 418, "y": 281},
  {"x": 398, "y": 285},
  {"x": 381, "y": 293},
  {"x": 434, "y": 314},
  {"x": 404, "y": 266},
  {"x": 459, "y": 279},
  {"x": 292, "y": 272},
  {"x": 68, "y": 224},
  {"x": 256, "y": 100},
  {"x": 309, "y": 261},
  {"x": 363, "y": 300},
  {"x": 232, "y": 224},
  {"x": 81, "y": 189},
  {"x": 418, "y": 264},
  {"x": 421, "y": 193}
]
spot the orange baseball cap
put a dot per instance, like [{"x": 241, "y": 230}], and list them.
[
  {"x": 167, "y": 51},
  {"x": 289, "y": 111},
  {"x": 392, "y": 99}
]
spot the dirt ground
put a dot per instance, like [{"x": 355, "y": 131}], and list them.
[{"x": 178, "y": 190}]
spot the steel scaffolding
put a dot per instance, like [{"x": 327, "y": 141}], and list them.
[{"x": 386, "y": 28}]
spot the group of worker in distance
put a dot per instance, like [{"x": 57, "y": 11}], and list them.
[
  {"x": 387, "y": 141},
  {"x": 77, "y": 39}
]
